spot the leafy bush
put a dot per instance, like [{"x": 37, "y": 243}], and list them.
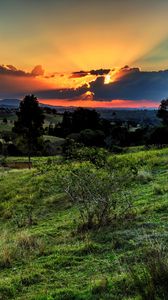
[
  {"x": 76, "y": 151},
  {"x": 97, "y": 156}
]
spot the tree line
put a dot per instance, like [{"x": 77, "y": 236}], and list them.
[{"x": 83, "y": 127}]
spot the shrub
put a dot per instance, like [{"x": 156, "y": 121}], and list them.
[
  {"x": 30, "y": 278},
  {"x": 151, "y": 277},
  {"x": 6, "y": 257},
  {"x": 24, "y": 216},
  {"x": 99, "y": 195},
  {"x": 158, "y": 190},
  {"x": 7, "y": 291},
  {"x": 27, "y": 243},
  {"x": 97, "y": 156},
  {"x": 144, "y": 176},
  {"x": 100, "y": 286}
]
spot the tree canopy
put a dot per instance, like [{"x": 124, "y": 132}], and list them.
[
  {"x": 163, "y": 111},
  {"x": 29, "y": 124}
]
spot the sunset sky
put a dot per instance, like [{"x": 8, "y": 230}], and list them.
[{"x": 111, "y": 53}]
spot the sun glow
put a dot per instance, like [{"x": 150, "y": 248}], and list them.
[{"x": 107, "y": 79}]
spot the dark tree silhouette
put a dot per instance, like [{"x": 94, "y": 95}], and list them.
[
  {"x": 159, "y": 136},
  {"x": 84, "y": 118},
  {"x": 67, "y": 123},
  {"x": 90, "y": 137},
  {"x": 5, "y": 121},
  {"x": 163, "y": 111},
  {"x": 29, "y": 125},
  {"x": 80, "y": 119}
]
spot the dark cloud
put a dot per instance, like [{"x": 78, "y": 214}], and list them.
[
  {"x": 37, "y": 71},
  {"x": 99, "y": 72},
  {"x": 132, "y": 84},
  {"x": 10, "y": 70},
  {"x": 129, "y": 84},
  {"x": 11, "y": 67},
  {"x": 79, "y": 74},
  {"x": 70, "y": 94},
  {"x": 126, "y": 69}
]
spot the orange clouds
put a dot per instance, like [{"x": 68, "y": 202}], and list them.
[
  {"x": 15, "y": 82},
  {"x": 117, "y": 87},
  {"x": 106, "y": 104},
  {"x": 37, "y": 71}
]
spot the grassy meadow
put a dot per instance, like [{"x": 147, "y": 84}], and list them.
[{"x": 46, "y": 253}]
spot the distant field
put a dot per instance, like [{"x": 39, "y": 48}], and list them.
[
  {"x": 11, "y": 117},
  {"x": 50, "y": 118},
  {"x": 8, "y": 116},
  {"x": 10, "y": 121},
  {"x": 49, "y": 259},
  {"x": 54, "y": 139},
  {"x": 5, "y": 127}
]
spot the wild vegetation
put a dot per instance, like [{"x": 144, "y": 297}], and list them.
[
  {"x": 89, "y": 223},
  {"x": 84, "y": 229}
]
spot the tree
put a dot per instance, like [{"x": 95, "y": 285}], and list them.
[
  {"x": 84, "y": 118},
  {"x": 163, "y": 111},
  {"x": 29, "y": 125},
  {"x": 91, "y": 137},
  {"x": 158, "y": 136},
  {"x": 5, "y": 121},
  {"x": 66, "y": 123}
]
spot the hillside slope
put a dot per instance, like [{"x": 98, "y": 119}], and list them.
[{"x": 42, "y": 254}]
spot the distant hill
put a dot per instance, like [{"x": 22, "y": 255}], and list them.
[
  {"x": 14, "y": 103},
  {"x": 10, "y": 103}
]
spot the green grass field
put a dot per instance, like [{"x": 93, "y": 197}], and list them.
[
  {"x": 44, "y": 257},
  {"x": 53, "y": 139},
  {"x": 50, "y": 118}
]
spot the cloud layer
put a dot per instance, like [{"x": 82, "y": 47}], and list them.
[
  {"x": 123, "y": 84},
  {"x": 80, "y": 74},
  {"x": 13, "y": 71},
  {"x": 128, "y": 84},
  {"x": 132, "y": 84}
]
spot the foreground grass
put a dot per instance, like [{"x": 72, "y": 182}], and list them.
[{"x": 43, "y": 257}]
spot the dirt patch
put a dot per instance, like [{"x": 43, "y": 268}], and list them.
[{"x": 18, "y": 165}]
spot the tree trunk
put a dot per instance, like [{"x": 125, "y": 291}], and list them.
[{"x": 29, "y": 157}]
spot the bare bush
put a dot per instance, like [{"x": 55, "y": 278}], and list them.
[{"x": 100, "y": 195}]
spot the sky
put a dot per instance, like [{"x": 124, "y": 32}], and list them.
[{"x": 111, "y": 53}]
